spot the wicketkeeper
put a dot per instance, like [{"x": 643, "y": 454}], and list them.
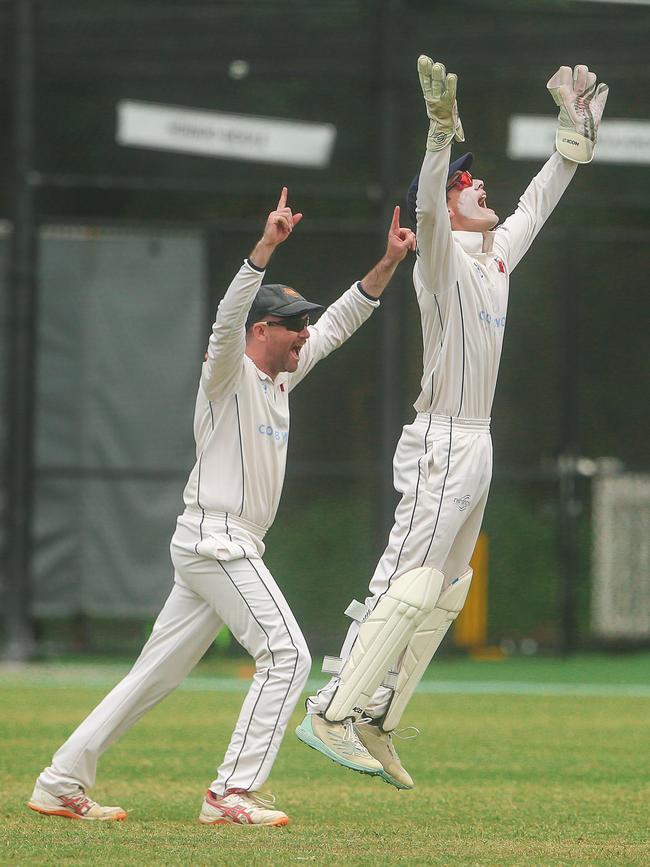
[{"x": 443, "y": 461}]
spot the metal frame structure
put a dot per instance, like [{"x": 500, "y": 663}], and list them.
[{"x": 23, "y": 313}]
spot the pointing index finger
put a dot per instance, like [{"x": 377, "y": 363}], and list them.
[
  {"x": 394, "y": 226},
  {"x": 283, "y": 198}
]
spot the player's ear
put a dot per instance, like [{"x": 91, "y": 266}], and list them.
[{"x": 257, "y": 331}]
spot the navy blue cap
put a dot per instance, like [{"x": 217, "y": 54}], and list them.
[
  {"x": 279, "y": 300},
  {"x": 462, "y": 164}
]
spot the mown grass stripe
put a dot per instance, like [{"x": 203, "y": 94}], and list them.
[{"x": 67, "y": 680}]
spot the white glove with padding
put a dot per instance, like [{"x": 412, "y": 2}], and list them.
[
  {"x": 439, "y": 90},
  {"x": 581, "y": 108}
]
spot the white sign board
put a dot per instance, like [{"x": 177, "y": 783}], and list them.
[
  {"x": 619, "y": 141},
  {"x": 230, "y": 136}
]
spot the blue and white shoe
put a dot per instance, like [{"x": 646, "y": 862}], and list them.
[{"x": 339, "y": 742}]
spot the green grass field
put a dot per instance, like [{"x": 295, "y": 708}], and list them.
[{"x": 523, "y": 762}]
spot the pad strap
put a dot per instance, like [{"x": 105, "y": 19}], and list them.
[
  {"x": 382, "y": 638},
  {"x": 422, "y": 647},
  {"x": 357, "y": 611},
  {"x": 334, "y": 664}
]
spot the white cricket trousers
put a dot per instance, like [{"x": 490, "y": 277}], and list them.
[
  {"x": 442, "y": 468},
  {"x": 207, "y": 594}
]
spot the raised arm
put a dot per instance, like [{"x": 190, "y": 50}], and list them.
[
  {"x": 223, "y": 366},
  {"x": 347, "y": 313},
  {"x": 581, "y": 107},
  {"x": 436, "y": 262},
  {"x": 279, "y": 225},
  {"x": 399, "y": 242}
]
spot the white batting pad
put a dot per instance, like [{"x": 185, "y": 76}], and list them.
[
  {"x": 382, "y": 638},
  {"x": 423, "y": 644}
]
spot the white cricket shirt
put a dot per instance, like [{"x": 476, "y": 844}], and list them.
[
  {"x": 461, "y": 281},
  {"x": 241, "y": 419}
]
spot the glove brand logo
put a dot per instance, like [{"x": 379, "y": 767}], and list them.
[
  {"x": 462, "y": 502},
  {"x": 581, "y": 105}
]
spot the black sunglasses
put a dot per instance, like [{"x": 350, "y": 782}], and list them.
[{"x": 291, "y": 323}]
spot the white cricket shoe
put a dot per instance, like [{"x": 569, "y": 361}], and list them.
[
  {"x": 240, "y": 808},
  {"x": 339, "y": 742},
  {"x": 78, "y": 806},
  {"x": 380, "y": 745}
]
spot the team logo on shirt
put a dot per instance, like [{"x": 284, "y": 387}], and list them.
[
  {"x": 500, "y": 265},
  {"x": 462, "y": 502},
  {"x": 497, "y": 321},
  {"x": 267, "y": 430}
]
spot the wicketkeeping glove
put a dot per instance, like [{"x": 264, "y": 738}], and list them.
[
  {"x": 439, "y": 89},
  {"x": 581, "y": 108}
]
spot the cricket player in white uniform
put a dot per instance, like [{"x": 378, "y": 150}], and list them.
[
  {"x": 443, "y": 462},
  {"x": 260, "y": 348}
]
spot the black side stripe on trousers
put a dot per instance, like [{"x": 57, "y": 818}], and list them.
[
  {"x": 442, "y": 492},
  {"x": 381, "y": 595},
  {"x": 295, "y": 666},
  {"x": 415, "y": 505},
  {"x": 293, "y": 674},
  {"x": 230, "y": 537},
  {"x": 268, "y": 645}
]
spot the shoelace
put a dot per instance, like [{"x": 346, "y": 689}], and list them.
[
  {"x": 351, "y": 735},
  {"x": 80, "y": 802},
  {"x": 262, "y": 799},
  {"x": 399, "y": 733}
]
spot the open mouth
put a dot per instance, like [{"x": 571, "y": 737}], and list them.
[
  {"x": 482, "y": 201},
  {"x": 295, "y": 352}
]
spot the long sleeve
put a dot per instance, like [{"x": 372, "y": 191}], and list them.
[
  {"x": 223, "y": 368},
  {"x": 543, "y": 193},
  {"x": 437, "y": 263},
  {"x": 335, "y": 326}
]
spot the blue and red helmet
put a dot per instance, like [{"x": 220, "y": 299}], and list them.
[{"x": 462, "y": 164}]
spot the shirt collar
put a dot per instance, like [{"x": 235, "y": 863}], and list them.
[
  {"x": 475, "y": 243},
  {"x": 261, "y": 374},
  {"x": 280, "y": 380}
]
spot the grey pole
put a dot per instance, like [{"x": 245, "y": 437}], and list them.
[
  {"x": 568, "y": 502},
  {"x": 389, "y": 357},
  {"x": 21, "y": 345}
]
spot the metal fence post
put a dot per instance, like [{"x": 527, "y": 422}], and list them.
[
  {"x": 568, "y": 505},
  {"x": 21, "y": 346},
  {"x": 388, "y": 160}
]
